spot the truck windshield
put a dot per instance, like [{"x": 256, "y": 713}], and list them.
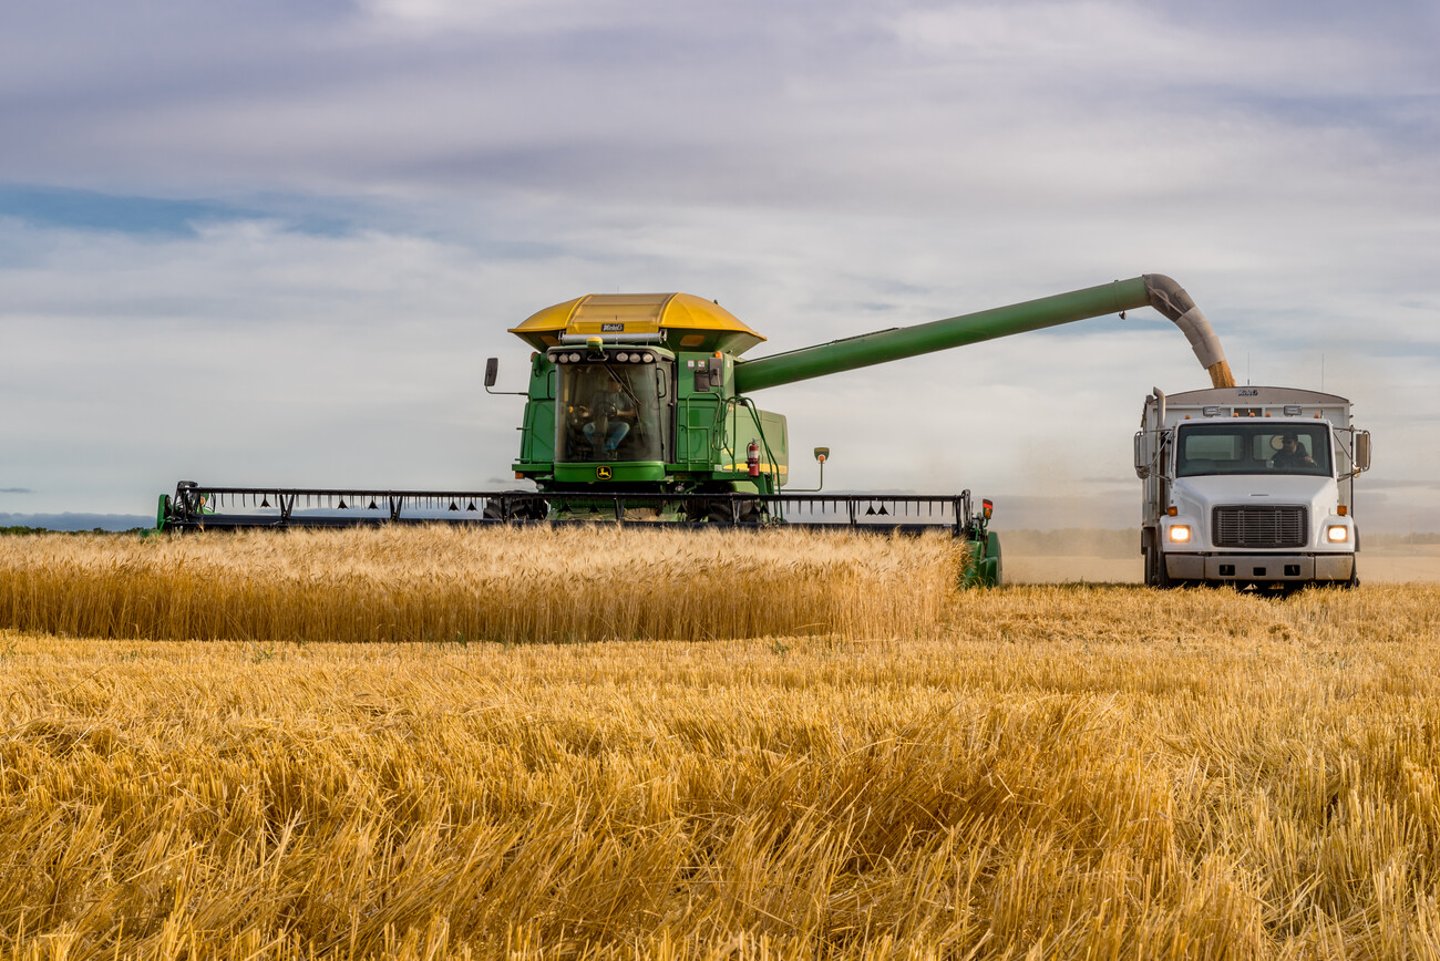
[
  {"x": 1250, "y": 448},
  {"x": 611, "y": 412}
]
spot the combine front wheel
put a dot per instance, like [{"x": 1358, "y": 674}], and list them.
[
  {"x": 523, "y": 507},
  {"x": 725, "y": 511}
]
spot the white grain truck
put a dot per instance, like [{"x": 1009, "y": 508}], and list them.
[{"x": 1250, "y": 486}]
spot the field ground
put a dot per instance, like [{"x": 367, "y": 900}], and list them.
[{"x": 1033, "y": 772}]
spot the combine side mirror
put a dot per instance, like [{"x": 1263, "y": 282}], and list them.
[{"x": 492, "y": 370}]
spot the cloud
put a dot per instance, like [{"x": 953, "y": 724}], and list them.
[
  {"x": 892, "y": 108},
  {"x": 250, "y": 353},
  {"x": 1167, "y": 46},
  {"x": 424, "y": 19},
  {"x": 276, "y": 243}
]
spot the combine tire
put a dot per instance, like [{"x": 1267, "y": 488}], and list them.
[
  {"x": 745, "y": 512},
  {"x": 526, "y": 508},
  {"x": 719, "y": 512}
]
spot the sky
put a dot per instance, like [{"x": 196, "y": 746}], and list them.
[{"x": 274, "y": 243}]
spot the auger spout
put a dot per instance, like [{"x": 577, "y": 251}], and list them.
[
  {"x": 1148, "y": 290},
  {"x": 1170, "y": 299}
]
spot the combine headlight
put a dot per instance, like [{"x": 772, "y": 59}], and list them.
[
  {"x": 648, "y": 358},
  {"x": 622, "y": 357},
  {"x": 1337, "y": 533},
  {"x": 1179, "y": 533},
  {"x": 573, "y": 358}
]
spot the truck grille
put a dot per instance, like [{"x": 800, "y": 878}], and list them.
[{"x": 1261, "y": 526}]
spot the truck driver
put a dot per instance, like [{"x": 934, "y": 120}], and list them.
[{"x": 1291, "y": 454}]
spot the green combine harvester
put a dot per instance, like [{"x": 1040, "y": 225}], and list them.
[{"x": 639, "y": 410}]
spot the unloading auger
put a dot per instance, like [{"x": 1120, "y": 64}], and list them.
[{"x": 638, "y": 410}]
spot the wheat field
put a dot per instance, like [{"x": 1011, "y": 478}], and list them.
[
  {"x": 1036, "y": 772},
  {"x": 438, "y": 583}
]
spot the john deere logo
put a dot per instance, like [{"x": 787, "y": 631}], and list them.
[
  {"x": 603, "y": 472},
  {"x": 612, "y": 328}
]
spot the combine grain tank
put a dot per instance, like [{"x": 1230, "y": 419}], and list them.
[
  {"x": 1249, "y": 486},
  {"x": 638, "y": 409}
]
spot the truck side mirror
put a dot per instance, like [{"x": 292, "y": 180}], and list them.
[
  {"x": 1142, "y": 463},
  {"x": 1362, "y": 450}
]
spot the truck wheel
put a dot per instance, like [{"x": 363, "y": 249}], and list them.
[{"x": 1155, "y": 574}]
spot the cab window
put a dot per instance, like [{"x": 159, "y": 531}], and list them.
[
  {"x": 1248, "y": 448},
  {"x": 611, "y": 412}
]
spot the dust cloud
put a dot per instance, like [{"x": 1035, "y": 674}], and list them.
[
  {"x": 1071, "y": 555},
  {"x": 1112, "y": 556}
]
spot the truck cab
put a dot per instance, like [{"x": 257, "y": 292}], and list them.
[{"x": 1249, "y": 486}]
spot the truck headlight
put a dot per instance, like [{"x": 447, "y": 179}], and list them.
[
  {"x": 1337, "y": 533},
  {"x": 1179, "y": 533}
]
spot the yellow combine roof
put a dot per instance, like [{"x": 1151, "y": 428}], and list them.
[{"x": 683, "y": 321}]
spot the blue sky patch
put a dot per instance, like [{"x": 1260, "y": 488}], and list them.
[{"x": 149, "y": 216}]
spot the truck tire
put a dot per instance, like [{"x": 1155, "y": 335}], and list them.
[{"x": 1155, "y": 573}]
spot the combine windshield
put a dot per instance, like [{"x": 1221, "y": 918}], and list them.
[
  {"x": 1250, "y": 448},
  {"x": 611, "y": 412}
]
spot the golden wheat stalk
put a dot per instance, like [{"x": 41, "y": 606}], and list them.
[
  {"x": 1067, "y": 773},
  {"x": 445, "y": 584}
]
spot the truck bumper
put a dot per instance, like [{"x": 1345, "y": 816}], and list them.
[{"x": 1260, "y": 568}]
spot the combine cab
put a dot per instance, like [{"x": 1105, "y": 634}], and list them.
[
  {"x": 636, "y": 393},
  {"x": 638, "y": 410}
]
